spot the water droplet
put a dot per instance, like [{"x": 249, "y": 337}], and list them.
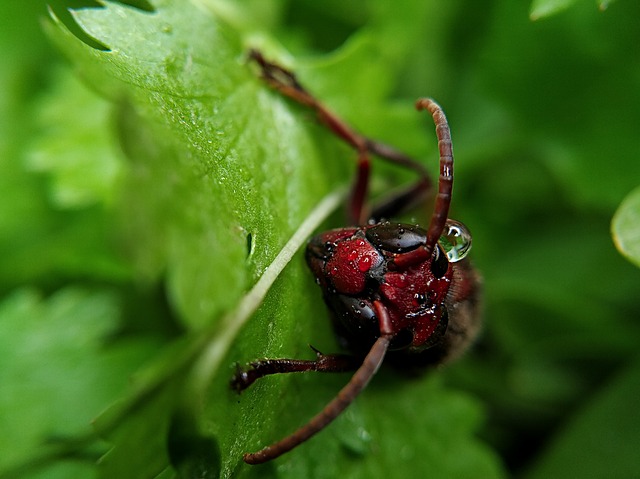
[
  {"x": 364, "y": 264},
  {"x": 455, "y": 241},
  {"x": 364, "y": 435},
  {"x": 420, "y": 298}
]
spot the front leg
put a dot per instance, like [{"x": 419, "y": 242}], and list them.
[{"x": 324, "y": 363}]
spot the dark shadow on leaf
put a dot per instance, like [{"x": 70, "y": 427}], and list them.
[
  {"x": 143, "y": 5},
  {"x": 192, "y": 454},
  {"x": 62, "y": 10}
]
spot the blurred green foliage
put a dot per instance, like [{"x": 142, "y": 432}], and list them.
[{"x": 149, "y": 180}]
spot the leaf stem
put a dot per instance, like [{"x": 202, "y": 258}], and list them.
[{"x": 231, "y": 324}]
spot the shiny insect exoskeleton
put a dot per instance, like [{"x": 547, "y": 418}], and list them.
[
  {"x": 391, "y": 287},
  {"x": 384, "y": 262}
]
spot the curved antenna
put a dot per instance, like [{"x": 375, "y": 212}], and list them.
[
  {"x": 445, "y": 182},
  {"x": 347, "y": 394}
]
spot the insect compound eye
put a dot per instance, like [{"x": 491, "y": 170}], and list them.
[
  {"x": 395, "y": 237},
  {"x": 355, "y": 315},
  {"x": 318, "y": 249},
  {"x": 323, "y": 245},
  {"x": 455, "y": 241},
  {"x": 353, "y": 307},
  {"x": 440, "y": 262}
]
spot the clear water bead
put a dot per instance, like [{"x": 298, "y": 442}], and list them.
[{"x": 455, "y": 241}]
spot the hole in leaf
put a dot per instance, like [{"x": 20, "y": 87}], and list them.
[{"x": 249, "y": 244}]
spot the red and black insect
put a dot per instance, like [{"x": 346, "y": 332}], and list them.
[{"x": 391, "y": 287}]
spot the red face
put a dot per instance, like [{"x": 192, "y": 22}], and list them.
[{"x": 358, "y": 265}]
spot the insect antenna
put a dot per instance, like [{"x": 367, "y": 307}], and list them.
[
  {"x": 343, "y": 399},
  {"x": 347, "y": 394},
  {"x": 445, "y": 182}
]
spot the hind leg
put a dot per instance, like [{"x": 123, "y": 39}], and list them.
[{"x": 286, "y": 83}]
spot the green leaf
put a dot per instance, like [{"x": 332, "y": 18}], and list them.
[
  {"x": 195, "y": 128},
  {"x": 58, "y": 370},
  {"x": 625, "y": 227},
  {"x": 546, "y": 8},
  {"x": 600, "y": 440},
  {"x": 398, "y": 426},
  {"x": 39, "y": 242},
  {"x": 222, "y": 172},
  {"x": 604, "y": 4},
  {"x": 78, "y": 151},
  {"x": 174, "y": 387}
]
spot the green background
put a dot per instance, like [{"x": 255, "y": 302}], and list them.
[{"x": 149, "y": 179}]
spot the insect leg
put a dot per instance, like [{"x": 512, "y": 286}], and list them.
[
  {"x": 347, "y": 394},
  {"x": 358, "y": 382},
  {"x": 406, "y": 197},
  {"x": 286, "y": 82},
  {"x": 324, "y": 363}
]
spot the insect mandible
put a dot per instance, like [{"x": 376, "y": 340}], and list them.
[{"x": 394, "y": 290}]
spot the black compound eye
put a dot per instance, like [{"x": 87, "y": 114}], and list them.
[
  {"x": 351, "y": 307},
  {"x": 440, "y": 263},
  {"x": 395, "y": 237},
  {"x": 319, "y": 249}
]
